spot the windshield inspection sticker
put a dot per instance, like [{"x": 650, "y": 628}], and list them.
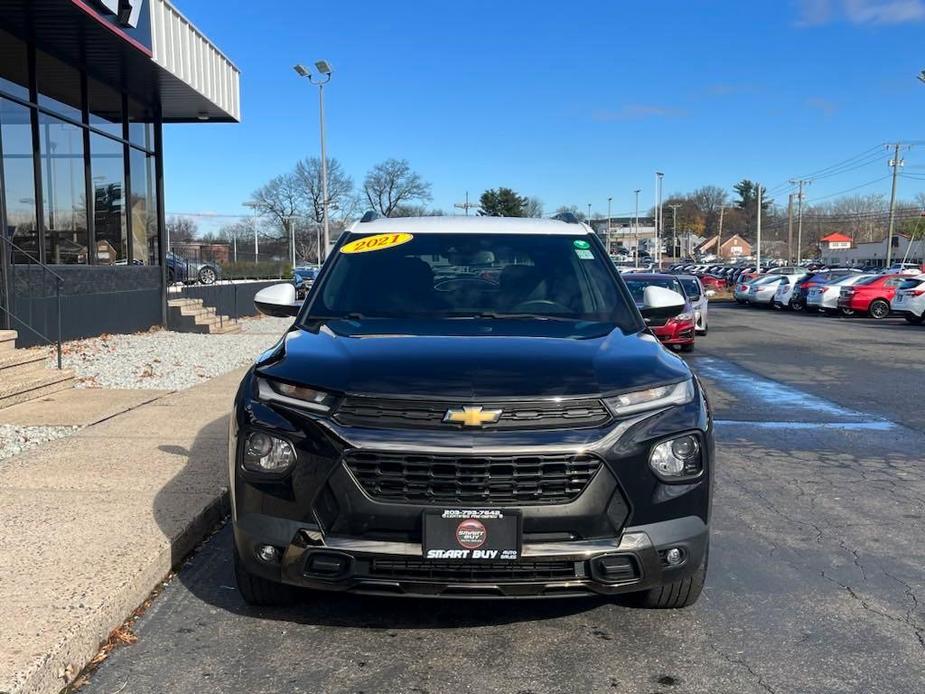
[
  {"x": 379, "y": 242},
  {"x": 582, "y": 245},
  {"x": 584, "y": 253}
]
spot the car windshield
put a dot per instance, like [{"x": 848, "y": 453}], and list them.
[
  {"x": 452, "y": 275},
  {"x": 910, "y": 284},
  {"x": 637, "y": 285},
  {"x": 692, "y": 287},
  {"x": 871, "y": 280}
]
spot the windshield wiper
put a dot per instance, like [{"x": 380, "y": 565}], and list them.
[
  {"x": 344, "y": 316},
  {"x": 516, "y": 316}
]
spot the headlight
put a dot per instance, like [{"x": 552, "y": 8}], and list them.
[
  {"x": 652, "y": 398},
  {"x": 266, "y": 453},
  {"x": 684, "y": 316},
  {"x": 678, "y": 459},
  {"x": 297, "y": 396}
]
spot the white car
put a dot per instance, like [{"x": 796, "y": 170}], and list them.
[
  {"x": 783, "y": 295},
  {"x": 909, "y": 300},
  {"x": 762, "y": 290},
  {"x": 824, "y": 297},
  {"x": 911, "y": 269},
  {"x": 700, "y": 300}
]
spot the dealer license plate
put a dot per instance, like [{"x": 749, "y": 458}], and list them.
[
  {"x": 901, "y": 299},
  {"x": 472, "y": 535}
]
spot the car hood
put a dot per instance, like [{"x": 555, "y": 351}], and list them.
[{"x": 476, "y": 359}]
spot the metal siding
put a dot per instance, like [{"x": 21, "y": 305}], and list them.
[{"x": 185, "y": 52}]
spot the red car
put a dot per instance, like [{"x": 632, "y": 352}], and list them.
[
  {"x": 871, "y": 296},
  {"x": 677, "y": 331},
  {"x": 711, "y": 282}
]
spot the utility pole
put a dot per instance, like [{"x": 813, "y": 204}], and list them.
[
  {"x": 589, "y": 215},
  {"x": 758, "y": 257},
  {"x": 790, "y": 228},
  {"x": 636, "y": 230},
  {"x": 658, "y": 219},
  {"x": 896, "y": 163},
  {"x": 802, "y": 182},
  {"x": 719, "y": 237},
  {"x": 465, "y": 205},
  {"x": 609, "y": 226},
  {"x": 674, "y": 229}
]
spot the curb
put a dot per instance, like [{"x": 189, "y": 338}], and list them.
[{"x": 75, "y": 649}]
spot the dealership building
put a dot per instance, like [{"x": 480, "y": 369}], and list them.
[{"x": 85, "y": 89}]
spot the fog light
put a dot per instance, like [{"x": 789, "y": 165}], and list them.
[
  {"x": 673, "y": 556},
  {"x": 677, "y": 459},
  {"x": 266, "y": 453},
  {"x": 267, "y": 553}
]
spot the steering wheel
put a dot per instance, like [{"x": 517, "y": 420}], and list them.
[
  {"x": 454, "y": 283},
  {"x": 538, "y": 306}
]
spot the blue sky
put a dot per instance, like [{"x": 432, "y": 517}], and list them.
[{"x": 571, "y": 102}]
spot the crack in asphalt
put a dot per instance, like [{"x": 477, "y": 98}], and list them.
[{"x": 744, "y": 664}]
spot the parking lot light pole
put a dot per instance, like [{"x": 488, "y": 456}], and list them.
[
  {"x": 659, "y": 176},
  {"x": 609, "y": 227},
  {"x": 636, "y": 229},
  {"x": 758, "y": 257},
  {"x": 325, "y": 71}
]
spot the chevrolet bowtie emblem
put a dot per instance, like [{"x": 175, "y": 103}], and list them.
[{"x": 472, "y": 416}]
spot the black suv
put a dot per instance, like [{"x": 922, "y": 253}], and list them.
[{"x": 470, "y": 407}]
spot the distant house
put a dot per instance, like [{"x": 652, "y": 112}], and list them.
[
  {"x": 733, "y": 247},
  {"x": 836, "y": 241},
  {"x": 874, "y": 253}
]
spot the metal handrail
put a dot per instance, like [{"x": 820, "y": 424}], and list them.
[{"x": 59, "y": 282}]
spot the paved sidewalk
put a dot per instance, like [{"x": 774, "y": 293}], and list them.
[{"x": 91, "y": 523}]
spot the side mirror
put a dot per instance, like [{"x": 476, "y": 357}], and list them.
[
  {"x": 710, "y": 293},
  {"x": 278, "y": 301},
  {"x": 658, "y": 302}
]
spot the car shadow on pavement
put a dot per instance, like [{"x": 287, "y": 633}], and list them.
[{"x": 207, "y": 574}]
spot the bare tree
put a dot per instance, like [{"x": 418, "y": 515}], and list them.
[
  {"x": 280, "y": 199},
  {"x": 533, "y": 207},
  {"x": 391, "y": 184},
  {"x": 341, "y": 201},
  {"x": 181, "y": 229}
]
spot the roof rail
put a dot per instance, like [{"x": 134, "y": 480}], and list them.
[
  {"x": 567, "y": 217},
  {"x": 370, "y": 216}
]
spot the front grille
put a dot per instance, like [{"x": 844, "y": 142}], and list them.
[
  {"x": 449, "y": 479},
  {"x": 418, "y": 414},
  {"x": 416, "y": 569},
  {"x": 656, "y": 322}
]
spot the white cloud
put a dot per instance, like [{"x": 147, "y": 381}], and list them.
[{"x": 816, "y": 12}]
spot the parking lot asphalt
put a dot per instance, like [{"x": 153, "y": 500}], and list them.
[{"x": 816, "y": 579}]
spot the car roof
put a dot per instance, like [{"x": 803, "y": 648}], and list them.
[
  {"x": 688, "y": 277},
  {"x": 649, "y": 276},
  {"x": 461, "y": 224}
]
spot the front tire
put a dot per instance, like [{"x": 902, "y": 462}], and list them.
[
  {"x": 258, "y": 591},
  {"x": 207, "y": 275},
  {"x": 678, "y": 594},
  {"x": 879, "y": 309}
]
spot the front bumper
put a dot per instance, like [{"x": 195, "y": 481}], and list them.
[
  {"x": 563, "y": 569},
  {"x": 676, "y": 333},
  {"x": 608, "y": 539}
]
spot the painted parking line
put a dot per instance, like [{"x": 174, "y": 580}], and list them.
[{"x": 773, "y": 395}]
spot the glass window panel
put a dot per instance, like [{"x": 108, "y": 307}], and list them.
[
  {"x": 107, "y": 168},
  {"x": 59, "y": 86},
  {"x": 140, "y": 125},
  {"x": 144, "y": 209},
  {"x": 65, "y": 194},
  {"x": 14, "y": 66},
  {"x": 19, "y": 179},
  {"x": 105, "y": 106}
]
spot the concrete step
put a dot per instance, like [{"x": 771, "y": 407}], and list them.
[
  {"x": 182, "y": 303},
  {"x": 14, "y": 362},
  {"x": 229, "y": 327},
  {"x": 195, "y": 312},
  {"x": 8, "y": 339},
  {"x": 34, "y": 385}
]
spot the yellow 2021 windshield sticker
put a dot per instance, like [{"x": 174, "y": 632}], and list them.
[{"x": 379, "y": 242}]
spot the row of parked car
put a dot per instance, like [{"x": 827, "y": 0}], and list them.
[{"x": 845, "y": 291}]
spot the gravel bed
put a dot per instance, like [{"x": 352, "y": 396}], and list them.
[
  {"x": 164, "y": 360},
  {"x": 15, "y": 439}
]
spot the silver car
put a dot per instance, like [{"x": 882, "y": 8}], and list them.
[
  {"x": 699, "y": 299},
  {"x": 762, "y": 290},
  {"x": 825, "y": 296}
]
